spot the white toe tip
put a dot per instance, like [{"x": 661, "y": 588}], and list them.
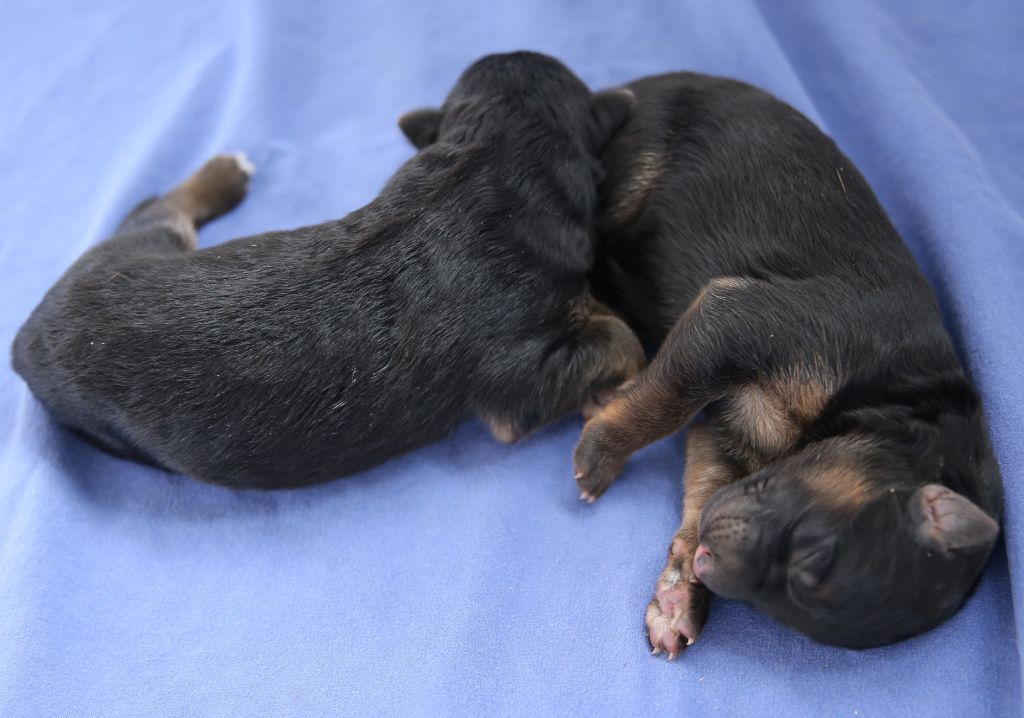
[{"x": 244, "y": 163}]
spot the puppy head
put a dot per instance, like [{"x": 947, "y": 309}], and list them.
[
  {"x": 520, "y": 88},
  {"x": 845, "y": 544}
]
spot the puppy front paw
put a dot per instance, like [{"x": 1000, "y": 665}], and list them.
[{"x": 596, "y": 462}]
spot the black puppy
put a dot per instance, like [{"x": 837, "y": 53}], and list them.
[
  {"x": 291, "y": 358},
  {"x": 843, "y": 481}
]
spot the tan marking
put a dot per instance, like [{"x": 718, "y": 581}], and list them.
[
  {"x": 716, "y": 290},
  {"x": 501, "y": 430},
  {"x": 613, "y": 412},
  {"x": 640, "y": 178},
  {"x": 602, "y": 397},
  {"x": 843, "y": 488},
  {"x": 761, "y": 420},
  {"x": 838, "y": 478},
  {"x": 770, "y": 415},
  {"x": 722, "y": 284},
  {"x": 706, "y": 472},
  {"x": 590, "y": 409},
  {"x": 804, "y": 398}
]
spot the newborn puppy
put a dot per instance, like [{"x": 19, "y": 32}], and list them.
[
  {"x": 842, "y": 481},
  {"x": 295, "y": 357}
]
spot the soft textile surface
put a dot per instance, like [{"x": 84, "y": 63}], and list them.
[{"x": 465, "y": 578}]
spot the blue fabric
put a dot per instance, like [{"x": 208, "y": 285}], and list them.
[{"x": 465, "y": 578}]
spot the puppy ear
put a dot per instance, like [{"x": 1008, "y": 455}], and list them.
[
  {"x": 947, "y": 521},
  {"x": 421, "y": 126},
  {"x": 609, "y": 110}
]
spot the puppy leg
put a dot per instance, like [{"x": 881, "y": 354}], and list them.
[
  {"x": 169, "y": 222},
  {"x": 601, "y": 356},
  {"x": 677, "y": 613},
  {"x": 713, "y": 345}
]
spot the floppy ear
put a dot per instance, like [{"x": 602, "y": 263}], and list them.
[
  {"x": 609, "y": 110},
  {"x": 947, "y": 521},
  {"x": 421, "y": 126}
]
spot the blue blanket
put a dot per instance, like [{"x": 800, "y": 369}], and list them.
[{"x": 465, "y": 578}]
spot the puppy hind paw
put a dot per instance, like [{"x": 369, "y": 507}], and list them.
[
  {"x": 224, "y": 179},
  {"x": 216, "y": 188},
  {"x": 679, "y": 609}
]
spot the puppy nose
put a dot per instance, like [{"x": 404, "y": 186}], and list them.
[{"x": 702, "y": 560}]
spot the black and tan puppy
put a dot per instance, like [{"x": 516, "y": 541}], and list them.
[
  {"x": 842, "y": 481},
  {"x": 295, "y": 357}
]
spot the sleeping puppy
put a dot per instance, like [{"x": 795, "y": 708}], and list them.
[
  {"x": 291, "y": 358},
  {"x": 842, "y": 481}
]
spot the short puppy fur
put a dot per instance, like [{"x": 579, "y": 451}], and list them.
[
  {"x": 842, "y": 481},
  {"x": 291, "y": 358}
]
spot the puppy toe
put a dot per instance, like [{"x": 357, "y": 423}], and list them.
[
  {"x": 660, "y": 633},
  {"x": 684, "y": 624},
  {"x": 670, "y": 595},
  {"x": 593, "y": 483},
  {"x": 690, "y": 615}
]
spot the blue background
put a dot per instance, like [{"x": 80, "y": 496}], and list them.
[{"x": 465, "y": 578}]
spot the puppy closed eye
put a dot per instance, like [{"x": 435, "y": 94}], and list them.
[{"x": 809, "y": 564}]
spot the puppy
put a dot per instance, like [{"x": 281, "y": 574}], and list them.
[
  {"x": 291, "y": 358},
  {"x": 842, "y": 481}
]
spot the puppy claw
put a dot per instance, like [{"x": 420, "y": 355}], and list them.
[
  {"x": 689, "y": 615},
  {"x": 673, "y": 656},
  {"x": 656, "y": 651},
  {"x": 594, "y": 484}
]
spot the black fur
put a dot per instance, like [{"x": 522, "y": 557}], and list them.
[
  {"x": 290, "y": 358},
  {"x": 737, "y": 236}
]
